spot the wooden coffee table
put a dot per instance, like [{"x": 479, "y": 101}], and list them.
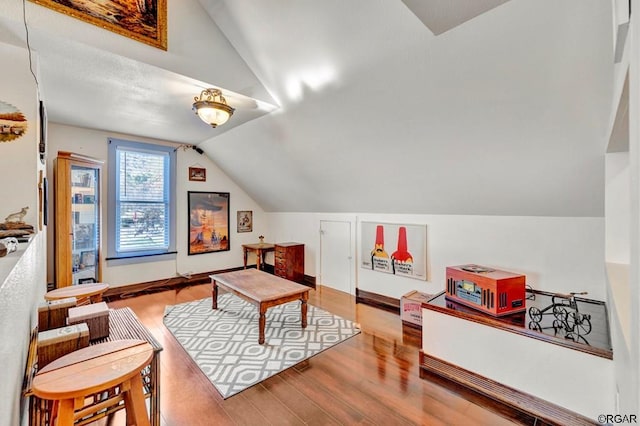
[{"x": 262, "y": 290}]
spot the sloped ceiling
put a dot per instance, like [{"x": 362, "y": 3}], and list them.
[
  {"x": 442, "y": 15},
  {"x": 359, "y": 106},
  {"x": 502, "y": 115}
]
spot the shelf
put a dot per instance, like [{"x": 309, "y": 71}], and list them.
[{"x": 597, "y": 342}]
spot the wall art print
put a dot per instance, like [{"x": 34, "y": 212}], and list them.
[
  {"x": 208, "y": 222},
  {"x": 245, "y": 221},
  {"x": 12, "y": 123},
  {"x": 399, "y": 249},
  {"x": 141, "y": 20},
  {"x": 198, "y": 174}
]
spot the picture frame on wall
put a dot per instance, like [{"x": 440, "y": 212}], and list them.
[
  {"x": 143, "y": 21},
  {"x": 394, "y": 248},
  {"x": 198, "y": 174},
  {"x": 208, "y": 222},
  {"x": 245, "y": 221}
]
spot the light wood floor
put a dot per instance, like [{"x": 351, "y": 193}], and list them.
[{"x": 370, "y": 379}]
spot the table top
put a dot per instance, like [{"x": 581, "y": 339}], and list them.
[
  {"x": 259, "y": 246},
  {"x": 78, "y": 290},
  {"x": 92, "y": 369},
  {"x": 258, "y": 285}
]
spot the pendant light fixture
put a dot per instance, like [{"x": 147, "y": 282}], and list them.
[{"x": 212, "y": 107}]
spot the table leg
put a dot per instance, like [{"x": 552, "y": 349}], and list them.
[
  {"x": 258, "y": 258},
  {"x": 154, "y": 401},
  {"x": 303, "y": 309},
  {"x": 214, "y": 295},
  {"x": 244, "y": 249},
  {"x": 134, "y": 404},
  {"x": 261, "y": 324},
  {"x": 65, "y": 412}
]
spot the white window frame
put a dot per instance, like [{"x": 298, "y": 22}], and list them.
[{"x": 113, "y": 256}]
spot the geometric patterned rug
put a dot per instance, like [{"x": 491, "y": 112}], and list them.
[{"x": 224, "y": 342}]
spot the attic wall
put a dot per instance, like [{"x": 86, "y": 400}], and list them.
[
  {"x": 94, "y": 143},
  {"x": 557, "y": 254},
  {"x": 22, "y": 274},
  {"x": 190, "y": 33},
  {"x": 19, "y": 157}
]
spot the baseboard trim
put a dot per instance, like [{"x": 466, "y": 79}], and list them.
[
  {"x": 378, "y": 301},
  {"x": 309, "y": 281},
  {"x": 131, "y": 290},
  {"x": 508, "y": 401}
]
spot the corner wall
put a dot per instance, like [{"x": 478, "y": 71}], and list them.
[
  {"x": 94, "y": 143},
  {"x": 22, "y": 273}
]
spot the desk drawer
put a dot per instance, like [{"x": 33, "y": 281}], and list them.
[{"x": 289, "y": 261}]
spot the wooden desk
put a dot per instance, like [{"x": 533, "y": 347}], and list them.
[
  {"x": 85, "y": 293},
  {"x": 260, "y": 249},
  {"x": 262, "y": 290},
  {"x": 92, "y": 370}
]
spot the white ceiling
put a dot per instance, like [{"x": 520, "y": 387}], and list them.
[{"x": 359, "y": 106}]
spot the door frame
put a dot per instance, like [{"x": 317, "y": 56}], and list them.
[{"x": 352, "y": 221}]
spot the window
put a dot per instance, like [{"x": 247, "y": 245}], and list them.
[{"x": 141, "y": 200}]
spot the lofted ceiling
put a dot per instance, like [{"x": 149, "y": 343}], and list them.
[{"x": 445, "y": 107}]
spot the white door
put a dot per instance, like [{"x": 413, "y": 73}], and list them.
[{"x": 336, "y": 259}]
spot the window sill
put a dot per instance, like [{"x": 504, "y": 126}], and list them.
[{"x": 145, "y": 258}]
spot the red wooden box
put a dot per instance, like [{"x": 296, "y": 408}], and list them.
[{"x": 485, "y": 289}]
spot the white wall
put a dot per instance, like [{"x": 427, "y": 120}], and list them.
[
  {"x": 555, "y": 253},
  {"x": 94, "y": 143},
  {"x": 196, "y": 47},
  {"x": 572, "y": 379},
  {"x": 21, "y": 290},
  {"x": 617, "y": 207},
  {"x": 19, "y": 158}
]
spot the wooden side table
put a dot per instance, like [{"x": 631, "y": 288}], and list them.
[
  {"x": 260, "y": 249},
  {"x": 85, "y": 293},
  {"x": 80, "y": 374}
]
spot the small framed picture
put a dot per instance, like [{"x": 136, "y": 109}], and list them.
[
  {"x": 245, "y": 221},
  {"x": 198, "y": 174}
]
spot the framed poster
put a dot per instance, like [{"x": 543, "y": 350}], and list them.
[
  {"x": 398, "y": 249},
  {"x": 208, "y": 222},
  {"x": 198, "y": 174},
  {"x": 245, "y": 221},
  {"x": 144, "y": 21}
]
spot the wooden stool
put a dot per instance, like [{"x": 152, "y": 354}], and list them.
[
  {"x": 70, "y": 380},
  {"x": 85, "y": 293}
]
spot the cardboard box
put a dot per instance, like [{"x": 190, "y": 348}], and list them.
[
  {"x": 54, "y": 314},
  {"x": 96, "y": 315},
  {"x": 411, "y": 307},
  {"x": 57, "y": 342}
]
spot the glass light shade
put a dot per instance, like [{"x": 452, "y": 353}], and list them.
[
  {"x": 212, "y": 107},
  {"x": 212, "y": 113}
]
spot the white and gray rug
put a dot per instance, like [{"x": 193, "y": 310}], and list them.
[{"x": 224, "y": 342}]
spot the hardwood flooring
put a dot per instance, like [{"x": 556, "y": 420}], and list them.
[{"x": 370, "y": 379}]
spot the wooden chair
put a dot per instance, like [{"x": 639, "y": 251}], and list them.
[
  {"x": 74, "y": 380},
  {"x": 85, "y": 293}
]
